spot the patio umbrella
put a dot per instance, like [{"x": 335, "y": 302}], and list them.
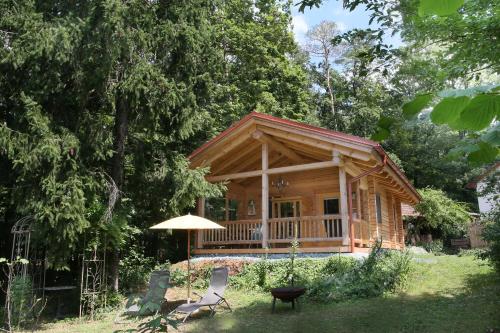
[{"x": 188, "y": 222}]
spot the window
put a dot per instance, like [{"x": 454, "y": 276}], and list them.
[
  {"x": 285, "y": 208},
  {"x": 331, "y": 206},
  {"x": 215, "y": 209},
  {"x": 378, "y": 202},
  {"x": 221, "y": 209},
  {"x": 232, "y": 210}
]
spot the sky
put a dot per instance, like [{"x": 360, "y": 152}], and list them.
[{"x": 331, "y": 10}]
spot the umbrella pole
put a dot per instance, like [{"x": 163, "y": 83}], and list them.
[{"x": 189, "y": 267}]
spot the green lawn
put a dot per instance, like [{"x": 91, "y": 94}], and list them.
[{"x": 452, "y": 294}]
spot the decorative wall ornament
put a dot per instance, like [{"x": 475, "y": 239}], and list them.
[{"x": 251, "y": 207}]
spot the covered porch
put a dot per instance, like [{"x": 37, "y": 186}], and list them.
[{"x": 285, "y": 180}]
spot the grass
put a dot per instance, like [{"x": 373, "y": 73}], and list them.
[{"x": 446, "y": 294}]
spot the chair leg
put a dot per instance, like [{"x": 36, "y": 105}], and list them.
[
  {"x": 212, "y": 313},
  {"x": 187, "y": 316},
  {"x": 227, "y": 304},
  {"x": 274, "y": 304}
]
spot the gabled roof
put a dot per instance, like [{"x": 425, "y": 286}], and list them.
[
  {"x": 298, "y": 125},
  {"x": 305, "y": 128}
]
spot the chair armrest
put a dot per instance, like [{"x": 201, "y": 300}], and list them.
[
  {"x": 218, "y": 295},
  {"x": 194, "y": 292}
]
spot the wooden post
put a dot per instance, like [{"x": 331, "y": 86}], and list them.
[
  {"x": 265, "y": 194},
  {"x": 343, "y": 205},
  {"x": 201, "y": 213},
  {"x": 372, "y": 209}
]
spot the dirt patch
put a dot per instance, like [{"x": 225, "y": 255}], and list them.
[{"x": 235, "y": 265}]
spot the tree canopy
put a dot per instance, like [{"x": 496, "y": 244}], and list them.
[{"x": 103, "y": 100}]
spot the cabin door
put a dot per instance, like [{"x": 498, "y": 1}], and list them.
[
  {"x": 331, "y": 206},
  {"x": 287, "y": 209}
]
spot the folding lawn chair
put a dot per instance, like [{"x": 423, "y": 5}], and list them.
[
  {"x": 152, "y": 301},
  {"x": 212, "y": 298}
]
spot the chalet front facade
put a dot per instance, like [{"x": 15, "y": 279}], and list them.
[{"x": 332, "y": 191}]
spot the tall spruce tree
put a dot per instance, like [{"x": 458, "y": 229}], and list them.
[{"x": 102, "y": 100}]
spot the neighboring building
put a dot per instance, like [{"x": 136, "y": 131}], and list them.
[
  {"x": 485, "y": 202},
  {"x": 334, "y": 192}
]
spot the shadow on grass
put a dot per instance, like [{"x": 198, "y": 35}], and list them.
[{"x": 476, "y": 308}]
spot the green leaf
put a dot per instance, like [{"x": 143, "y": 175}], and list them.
[
  {"x": 480, "y": 112},
  {"x": 385, "y": 122},
  {"x": 448, "y": 110},
  {"x": 381, "y": 134},
  {"x": 412, "y": 108},
  {"x": 492, "y": 136},
  {"x": 470, "y": 92},
  {"x": 485, "y": 154},
  {"x": 439, "y": 7}
]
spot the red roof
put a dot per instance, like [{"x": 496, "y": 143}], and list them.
[{"x": 310, "y": 128}]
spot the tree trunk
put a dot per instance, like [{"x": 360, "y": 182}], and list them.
[
  {"x": 120, "y": 131},
  {"x": 326, "y": 60}
]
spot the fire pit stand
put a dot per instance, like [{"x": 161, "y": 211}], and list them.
[{"x": 287, "y": 295}]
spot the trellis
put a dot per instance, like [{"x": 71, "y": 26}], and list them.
[
  {"x": 22, "y": 248},
  {"x": 27, "y": 263},
  {"x": 93, "y": 284}
]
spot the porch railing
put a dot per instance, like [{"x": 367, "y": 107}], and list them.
[
  {"x": 305, "y": 228},
  {"x": 236, "y": 232},
  {"x": 280, "y": 230}
]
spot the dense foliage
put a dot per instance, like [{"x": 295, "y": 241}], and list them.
[
  {"x": 441, "y": 215},
  {"x": 335, "y": 278},
  {"x": 103, "y": 100},
  {"x": 491, "y": 220}
]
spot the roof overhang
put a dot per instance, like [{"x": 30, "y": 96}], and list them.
[{"x": 348, "y": 145}]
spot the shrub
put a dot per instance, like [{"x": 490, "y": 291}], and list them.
[
  {"x": 435, "y": 246},
  {"x": 135, "y": 270},
  {"x": 445, "y": 217},
  {"x": 334, "y": 278},
  {"x": 382, "y": 271}
]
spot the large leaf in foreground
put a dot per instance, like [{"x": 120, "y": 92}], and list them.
[
  {"x": 439, "y": 7},
  {"x": 448, "y": 110},
  {"x": 480, "y": 112},
  {"x": 412, "y": 108},
  {"x": 485, "y": 154},
  {"x": 492, "y": 136}
]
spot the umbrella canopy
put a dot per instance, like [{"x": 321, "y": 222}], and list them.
[{"x": 189, "y": 221}]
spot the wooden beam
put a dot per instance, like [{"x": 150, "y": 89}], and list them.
[
  {"x": 343, "y": 205},
  {"x": 265, "y": 194},
  {"x": 278, "y": 146},
  {"x": 317, "y": 143},
  {"x": 235, "y": 160},
  {"x": 286, "y": 169},
  {"x": 325, "y": 138}
]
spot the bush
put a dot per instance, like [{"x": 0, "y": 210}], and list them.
[
  {"x": 491, "y": 234},
  {"x": 443, "y": 216},
  {"x": 135, "y": 270},
  {"x": 334, "y": 278},
  {"x": 435, "y": 246}
]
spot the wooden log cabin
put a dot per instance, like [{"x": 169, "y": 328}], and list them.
[{"x": 332, "y": 191}]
